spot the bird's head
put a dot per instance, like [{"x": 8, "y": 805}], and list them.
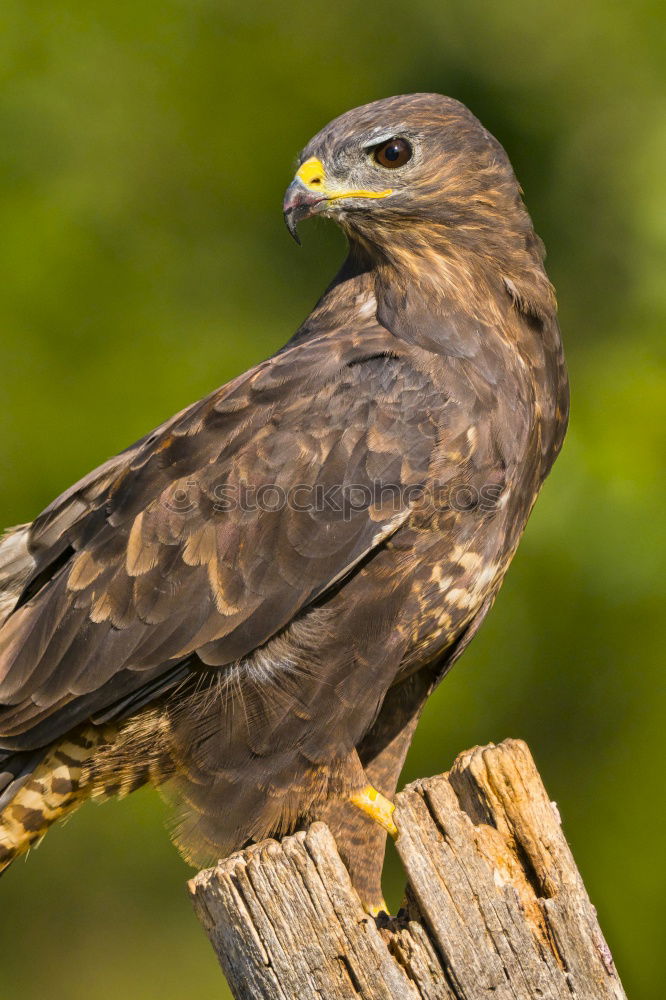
[{"x": 408, "y": 169}]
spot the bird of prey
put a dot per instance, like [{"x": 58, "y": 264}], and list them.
[{"x": 250, "y": 605}]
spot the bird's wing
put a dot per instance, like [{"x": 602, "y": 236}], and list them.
[{"x": 210, "y": 535}]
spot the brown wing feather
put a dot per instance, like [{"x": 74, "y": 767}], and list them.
[{"x": 160, "y": 560}]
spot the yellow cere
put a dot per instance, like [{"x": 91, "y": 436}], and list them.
[
  {"x": 313, "y": 176},
  {"x": 311, "y": 173}
]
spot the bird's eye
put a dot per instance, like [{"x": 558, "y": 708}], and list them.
[{"x": 393, "y": 153}]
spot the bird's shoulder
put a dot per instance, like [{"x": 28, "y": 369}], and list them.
[{"x": 311, "y": 389}]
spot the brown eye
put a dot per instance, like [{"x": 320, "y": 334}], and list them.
[{"x": 393, "y": 153}]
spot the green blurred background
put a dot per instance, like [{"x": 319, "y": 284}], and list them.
[{"x": 144, "y": 149}]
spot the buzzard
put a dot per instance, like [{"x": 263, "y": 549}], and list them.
[{"x": 250, "y": 605}]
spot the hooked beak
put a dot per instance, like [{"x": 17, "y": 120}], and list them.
[
  {"x": 310, "y": 188},
  {"x": 299, "y": 203}
]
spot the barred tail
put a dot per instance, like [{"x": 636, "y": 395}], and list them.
[{"x": 59, "y": 783}]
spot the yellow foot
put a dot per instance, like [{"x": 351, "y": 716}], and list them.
[{"x": 377, "y": 807}]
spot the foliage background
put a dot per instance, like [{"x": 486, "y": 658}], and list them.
[{"x": 144, "y": 149}]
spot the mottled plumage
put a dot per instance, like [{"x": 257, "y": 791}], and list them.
[{"x": 250, "y": 606}]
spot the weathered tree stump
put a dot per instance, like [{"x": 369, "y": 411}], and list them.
[{"x": 495, "y": 904}]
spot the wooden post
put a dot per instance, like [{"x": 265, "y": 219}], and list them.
[{"x": 495, "y": 905}]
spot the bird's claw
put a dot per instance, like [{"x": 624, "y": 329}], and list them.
[{"x": 377, "y": 807}]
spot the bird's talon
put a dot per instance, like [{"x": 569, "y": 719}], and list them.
[
  {"x": 377, "y": 807},
  {"x": 379, "y": 911}
]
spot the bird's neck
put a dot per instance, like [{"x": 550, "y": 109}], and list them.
[
  {"x": 496, "y": 316},
  {"x": 479, "y": 274},
  {"x": 499, "y": 320},
  {"x": 423, "y": 287}
]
